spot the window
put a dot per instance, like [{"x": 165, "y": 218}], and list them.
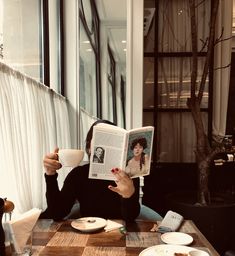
[
  {"x": 55, "y": 45},
  {"x": 123, "y": 100},
  {"x": 31, "y": 39},
  {"x": 167, "y": 73},
  {"x": 20, "y": 35},
  {"x": 90, "y": 88},
  {"x": 112, "y": 84},
  {"x": 87, "y": 74}
]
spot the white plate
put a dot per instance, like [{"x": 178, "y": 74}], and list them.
[
  {"x": 89, "y": 224},
  {"x": 176, "y": 238},
  {"x": 166, "y": 250}
]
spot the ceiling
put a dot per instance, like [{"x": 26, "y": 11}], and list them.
[
  {"x": 112, "y": 10},
  {"x": 113, "y": 15}
]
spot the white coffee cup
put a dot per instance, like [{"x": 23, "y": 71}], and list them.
[
  {"x": 70, "y": 157},
  {"x": 198, "y": 253}
]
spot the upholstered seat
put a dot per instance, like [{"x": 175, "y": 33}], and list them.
[
  {"x": 75, "y": 212},
  {"x": 146, "y": 213}
]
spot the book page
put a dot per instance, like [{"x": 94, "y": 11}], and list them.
[
  {"x": 107, "y": 148},
  {"x": 139, "y": 151}
]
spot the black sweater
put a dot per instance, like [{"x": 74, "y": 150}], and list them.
[{"x": 93, "y": 195}]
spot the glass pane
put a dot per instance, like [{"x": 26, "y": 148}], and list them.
[
  {"x": 55, "y": 62},
  {"x": 174, "y": 25},
  {"x": 110, "y": 102},
  {"x": 87, "y": 74},
  {"x": 148, "y": 90},
  {"x": 87, "y": 12},
  {"x": 120, "y": 101},
  {"x": 174, "y": 84},
  {"x": 176, "y": 137},
  {"x": 149, "y": 25},
  {"x": 147, "y": 118},
  {"x": 21, "y": 36}
]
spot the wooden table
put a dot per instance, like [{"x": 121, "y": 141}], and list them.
[{"x": 59, "y": 238}]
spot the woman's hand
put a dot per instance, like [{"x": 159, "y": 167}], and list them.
[
  {"x": 51, "y": 163},
  {"x": 125, "y": 186}
]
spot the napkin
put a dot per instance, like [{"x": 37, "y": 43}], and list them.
[
  {"x": 23, "y": 224},
  {"x": 112, "y": 225}
]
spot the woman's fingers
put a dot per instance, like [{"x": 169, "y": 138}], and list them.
[
  {"x": 114, "y": 189},
  {"x": 119, "y": 174},
  {"x": 51, "y": 163},
  {"x": 125, "y": 186},
  {"x": 56, "y": 150}
]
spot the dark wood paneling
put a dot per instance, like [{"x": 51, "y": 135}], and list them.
[
  {"x": 230, "y": 126},
  {"x": 169, "y": 178}
]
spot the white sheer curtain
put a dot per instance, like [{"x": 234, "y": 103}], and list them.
[
  {"x": 222, "y": 75},
  {"x": 62, "y": 129},
  {"x": 33, "y": 121}
]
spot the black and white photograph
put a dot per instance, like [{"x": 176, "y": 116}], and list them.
[{"x": 98, "y": 156}]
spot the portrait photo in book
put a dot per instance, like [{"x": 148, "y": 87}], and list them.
[
  {"x": 139, "y": 154},
  {"x": 98, "y": 156}
]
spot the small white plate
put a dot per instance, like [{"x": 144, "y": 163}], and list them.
[
  {"x": 166, "y": 250},
  {"x": 176, "y": 238},
  {"x": 198, "y": 253},
  {"x": 89, "y": 224}
]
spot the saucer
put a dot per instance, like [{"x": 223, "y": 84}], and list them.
[
  {"x": 89, "y": 224},
  {"x": 178, "y": 238}
]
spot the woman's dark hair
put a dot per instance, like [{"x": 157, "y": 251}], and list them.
[
  {"x": 141, "y": 140},
  {"x": 90, "y": 133}
]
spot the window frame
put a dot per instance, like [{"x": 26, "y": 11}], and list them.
[
  {"x": 95, "y": 44},
  {"x": 156, "y": 54}
]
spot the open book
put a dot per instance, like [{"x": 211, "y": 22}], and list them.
[{"x": 115, "y": 147}]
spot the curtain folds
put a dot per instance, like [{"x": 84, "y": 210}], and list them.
[
  {"x": 33, "y": 121},
  {"x": 222, "y": 59}
]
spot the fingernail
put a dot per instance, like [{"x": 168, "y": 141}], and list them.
[
  {"x": 116, "y": 169},
  {"x": 113, "y": 170}
]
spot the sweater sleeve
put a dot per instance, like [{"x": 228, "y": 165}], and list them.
[
  {"x": 59, "y": 203},
  {"x": 131, "y": 206}
]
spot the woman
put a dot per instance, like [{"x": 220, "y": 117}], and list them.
[
  {"x": 101, "y": 198},
  {"x": 139, "y": 163}
]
